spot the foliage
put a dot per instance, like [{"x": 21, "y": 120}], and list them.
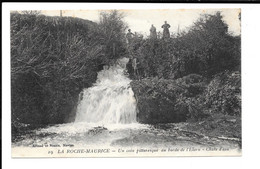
[
  {"x": 221, "y": 97},
  {"x": 210, "y": 46},
  {"x": 53, "y": 59},
  {"x": 111, "y": 29},
  {"x": 223, "y": 94},
  {"x": 206, "y": 49},
  {"x": 189, "y": 98},
  {"x": 167, "y": 100}
]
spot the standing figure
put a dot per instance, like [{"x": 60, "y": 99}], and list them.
[
  {"x": 166, "y": 33},
  {"x": 159, "y": 35},
  {"x": 129, "y": 36},
  {"x": 153, "y": 34}
]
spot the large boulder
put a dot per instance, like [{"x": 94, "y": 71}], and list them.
[{"x": 166, "y": 101}]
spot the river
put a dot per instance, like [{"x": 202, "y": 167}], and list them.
[{"x": 106, "y": 117}]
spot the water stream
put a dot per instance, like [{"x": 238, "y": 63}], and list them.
[
  {"x": 106, "y": 116},
  {"x": 111, "y": 100}
]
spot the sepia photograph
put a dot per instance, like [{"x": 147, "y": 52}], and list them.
[{"x": 126, "y": 82}]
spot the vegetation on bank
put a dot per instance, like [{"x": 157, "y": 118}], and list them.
[
  {"x": 193, "y": 76},
  {"x": 196, "y": 74},
  {"x": 205, "y": 49},
  {"x": 54, "y": 58}
]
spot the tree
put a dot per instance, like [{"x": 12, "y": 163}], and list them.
[
  {"x": 112, "y": 29},
  {"x": 208, "y": 47}
]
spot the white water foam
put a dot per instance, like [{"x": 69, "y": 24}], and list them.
[
  {"x": 111, "y": 99},
  {"x": 83, "y": 127}
]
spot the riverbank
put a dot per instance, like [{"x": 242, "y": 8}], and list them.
[
  {"x": 54, "y": 58},
  {"x": 211, "y": 108},
  {"x": 171, "y": 139}
]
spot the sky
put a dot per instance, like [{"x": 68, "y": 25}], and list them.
[{"x": 140, "y": 20}]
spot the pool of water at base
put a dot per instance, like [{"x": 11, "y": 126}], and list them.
[{"x": 124, "y": 135}]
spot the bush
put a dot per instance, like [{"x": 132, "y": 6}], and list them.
[
  {"x": 111, "y": 34},
  {"x": 221, "y": 97},
  {"x": 206, "y": 49},
  {"x": 53, "y": 59},
  {"x": 223, "y": 94},
  {"x": 167, "y": 100}
]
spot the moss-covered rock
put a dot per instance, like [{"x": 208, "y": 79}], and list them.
[{"x": 166, "y": 101}]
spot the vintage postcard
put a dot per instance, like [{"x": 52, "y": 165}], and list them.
[{"x": 126, "y": 82}]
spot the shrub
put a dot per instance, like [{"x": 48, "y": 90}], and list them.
[
  {"x": 53, "y": 59},
  {"x": 206, "y": 49},
  {"x": 223, "y": 94}
]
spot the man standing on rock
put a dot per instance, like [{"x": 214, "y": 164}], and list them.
[
  {"x": 166, "y": 33},
  {"x": 129, "y": 36},
  {"x": 153, "y": 34}
]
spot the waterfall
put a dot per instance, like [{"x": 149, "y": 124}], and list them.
[{"x": 111, "y": 99}]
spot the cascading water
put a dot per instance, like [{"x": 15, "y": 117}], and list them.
[
  {"x": 111, "y": 100},
  {"x": 106, "y": 117},
  {"x": 107, "y": 106}
]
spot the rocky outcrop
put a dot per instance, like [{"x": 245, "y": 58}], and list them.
[{"x": 166, "y": 101}]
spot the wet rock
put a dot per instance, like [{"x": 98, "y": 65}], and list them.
[{"x": 96, "y": 130}]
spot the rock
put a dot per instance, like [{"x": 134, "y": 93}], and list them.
[
  {"x": 96, "y": 130},
  {"x": 163, "y": 101}
]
